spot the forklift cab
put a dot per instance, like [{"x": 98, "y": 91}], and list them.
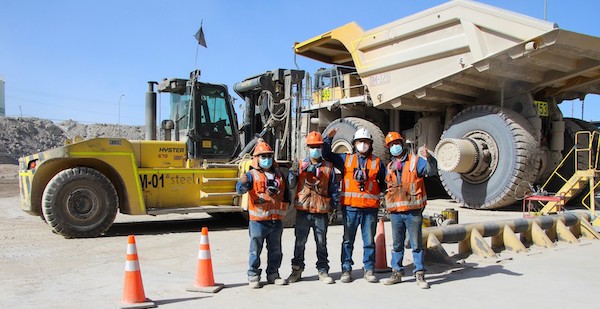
[{"x": 203, "y": 117}]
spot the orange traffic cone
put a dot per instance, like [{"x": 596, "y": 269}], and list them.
[
  {"x": 205, "y": 281},
  {"x": 380, "y": 250},
  {"x": 133, "y": 289}
]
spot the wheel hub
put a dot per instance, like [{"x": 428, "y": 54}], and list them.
[
  {"x": 487, "y": 150},
  {"x": 82, "y": 204},
  {"x": 474, "y": 157}
]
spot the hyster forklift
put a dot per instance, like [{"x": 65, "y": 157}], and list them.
[{"x": 79, "y": 188}]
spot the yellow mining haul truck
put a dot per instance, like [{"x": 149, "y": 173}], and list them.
[{"x": 479, "y": 84}]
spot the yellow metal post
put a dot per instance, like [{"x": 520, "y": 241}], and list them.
[
  {"x": 564, "y": 234},
  {"x": 435, "y": 251},
  {"x": 595, "y": 219},
  {"x": 480, "y": 247},
  {"x": 539, "y": 237},
  {"x": 587, "y": 230},
  {"x": 511, "y": 242}
]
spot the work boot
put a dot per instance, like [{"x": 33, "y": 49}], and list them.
[
  {"x": 254, "y": 282},
  {"x": 370, "y": 277},
  {"x": 396, "y": 277},
  {"x": 296, "y": 274},
  {"x": 346, "y": 277},
  {"x": 420, "y": 276},
  {"x": 275, "y": 279},
  {"x": 325, "y": 278}
]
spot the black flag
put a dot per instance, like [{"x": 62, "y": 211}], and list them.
[{"x": 200, "y": 37}]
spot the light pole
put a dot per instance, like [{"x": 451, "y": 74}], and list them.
[{"x": 119, "y": 120}]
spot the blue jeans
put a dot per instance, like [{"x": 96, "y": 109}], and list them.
[
  {"x": 410, "y": 221},
  {"x": 304, "y": 222},
  {"x": 259, "y": 232},
  {"x": 367, "y": 219}
]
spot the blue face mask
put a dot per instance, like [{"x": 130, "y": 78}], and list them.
[
  {"x": 396, "y": 150},
  {"x": 265, "y": 162},
  {"x": 315, "y": 153}
]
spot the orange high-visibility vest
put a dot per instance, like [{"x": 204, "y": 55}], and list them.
[
  {"x": 313, "y": 189},
  {"x": 351, "y": 194},
  {"x": 262, "y": 205},
  {"x": 408, "y": 193}
]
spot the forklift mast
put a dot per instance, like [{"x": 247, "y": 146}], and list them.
[{"x": 272, "y": 110}]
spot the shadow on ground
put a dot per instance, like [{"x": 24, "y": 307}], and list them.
[{"x": 175, "y": 226}]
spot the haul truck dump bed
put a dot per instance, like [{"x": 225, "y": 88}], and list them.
[
  {"x": 478, "y": 83},
  {"x": 462, "y": 52}
]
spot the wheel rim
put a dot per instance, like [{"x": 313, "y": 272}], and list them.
[
  {"x": 341, "y": 146},
  {"x": 82, "y": 204}
]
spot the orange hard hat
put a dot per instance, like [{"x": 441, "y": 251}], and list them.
[
  {"x": 262, "y": 148},
  {"x": 392, "y": 136},
  {"x": 314, "y": 138}
]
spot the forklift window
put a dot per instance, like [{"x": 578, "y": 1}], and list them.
[
  {"x": 179, "y": 109},
  {"x": 215, "y": 127}
]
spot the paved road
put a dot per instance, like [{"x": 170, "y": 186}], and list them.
[{"x": 41, "y": 270}]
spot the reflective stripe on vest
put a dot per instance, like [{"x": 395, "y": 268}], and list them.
[
  {"x": 414, "y": 204},
  {"x": 360, "y": 195},
  {"x": 265, "y": 214},
  {"x": 351, "y": 194}
]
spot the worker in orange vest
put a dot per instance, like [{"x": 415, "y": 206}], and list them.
[
  {"x": 363, "y": 180},
  {"x": 405, "y": 200},
  {"x": 317, "y": 195},
  {"x": 268, "y": 200}
]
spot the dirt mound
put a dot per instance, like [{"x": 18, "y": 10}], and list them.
[{"x": 21, "y": 136}]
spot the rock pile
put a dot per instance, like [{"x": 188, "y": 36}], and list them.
[{"x": 21, "y": 136}]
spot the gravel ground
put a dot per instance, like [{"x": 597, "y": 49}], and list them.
[{"x": 43, "y": 270}]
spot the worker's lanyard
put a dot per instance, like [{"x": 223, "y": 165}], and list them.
[{"x": 399, "y": 172}]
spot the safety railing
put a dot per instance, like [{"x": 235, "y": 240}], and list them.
[
  {"x": 592, "y": 164},
  {"x": 340, "y": 88},
  {"x": 589, "y": 150},
  {"x": 585, "y": 159}
]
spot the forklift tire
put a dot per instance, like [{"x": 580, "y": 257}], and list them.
[{"x": 80, "y": 202}]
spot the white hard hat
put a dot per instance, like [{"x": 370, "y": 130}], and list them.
[{"x": 362, "y": 133}]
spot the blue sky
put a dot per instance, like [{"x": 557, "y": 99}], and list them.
[{"x": 75, "y": 59}]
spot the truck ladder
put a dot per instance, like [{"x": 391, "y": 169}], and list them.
[{"x": 584, "y": 173}]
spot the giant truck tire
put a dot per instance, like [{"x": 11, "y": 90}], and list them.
[
  {"x": 342, "y": 141},
  {"x": 511, "y": 157},
  {"x": 80, "y": 202}
]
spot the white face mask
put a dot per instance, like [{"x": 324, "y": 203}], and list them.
[{"x": 362, "y": 147}]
